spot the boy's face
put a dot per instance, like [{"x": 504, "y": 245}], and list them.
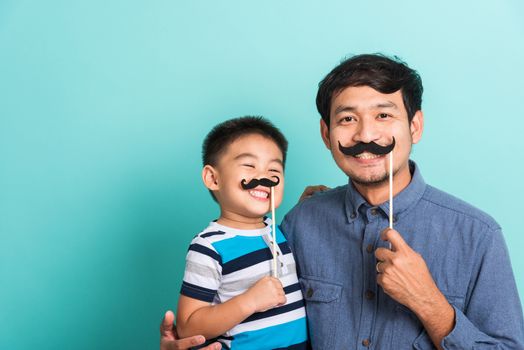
[{"x": 248, "y": 157}]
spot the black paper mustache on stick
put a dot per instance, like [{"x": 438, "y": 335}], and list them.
[
  {"x": 256, "y": 182},
  {"x": 370, "y": 147}
]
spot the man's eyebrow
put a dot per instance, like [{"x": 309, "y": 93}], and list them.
[
  {"x": 388, "y": 104},
  {"x": 345, "y": 108}
]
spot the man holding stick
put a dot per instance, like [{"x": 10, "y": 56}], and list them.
[{"x": 440, "y": 279}]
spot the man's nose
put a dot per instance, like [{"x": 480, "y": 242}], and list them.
[{"x": 366, "y": 132}]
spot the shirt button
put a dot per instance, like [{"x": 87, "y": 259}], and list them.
[
  {"x": 369, "y": 294},
  {"x": 369, "y": 248},
  {"x": 374, "y": 211},
  {"x": 309, "y": 293},
  {"x": 353, "y": 215},
  {"x": 366, "y": 342}
]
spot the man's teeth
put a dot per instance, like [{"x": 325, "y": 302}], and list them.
[
  {"x": 367, "y": 155},
  {"x": 258, "y": 194}
]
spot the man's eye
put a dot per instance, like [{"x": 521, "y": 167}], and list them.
[
  {"x": 383, "y": 116},
  {"x": 275, "y": 171},
  {"x": 347, "y": 119},
  {"x": 248, "y": 165}
]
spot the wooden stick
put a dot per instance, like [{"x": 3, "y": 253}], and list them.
[
  {"x": 390, "y": 193},
  {"x": 273, "y": 221}
]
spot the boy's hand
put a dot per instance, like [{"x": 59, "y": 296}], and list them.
[
  {"x": 169, "y": 339},
  {"x": 266, "y": 294}
]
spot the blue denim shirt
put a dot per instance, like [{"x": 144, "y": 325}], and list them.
[{"x": 334, "y": 236}]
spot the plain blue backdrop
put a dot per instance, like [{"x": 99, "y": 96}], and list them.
[{"x": 104, "y": 104}]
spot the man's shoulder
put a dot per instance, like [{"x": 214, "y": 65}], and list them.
[
  {"x": 333, "y": 196},
  {"x": 319, "y": 201},
  {"x": 458, "y": 207}
]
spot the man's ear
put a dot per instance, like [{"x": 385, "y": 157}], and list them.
[
  {"x": 324, "y": 132},
  {"x": 417, "y": 126},
  {"x": 210, "y": 178}
]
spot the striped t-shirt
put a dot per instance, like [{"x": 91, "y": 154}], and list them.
[{"x": 223, "y": 262}]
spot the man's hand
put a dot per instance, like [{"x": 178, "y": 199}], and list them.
[
  {"x": 169, "y": 341},
  {"x": 405, "y": 277},
  {"x": 265, "y": 294},
  {"x": 310, "y": 190}
]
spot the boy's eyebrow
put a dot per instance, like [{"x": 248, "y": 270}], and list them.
[
  {"x": 243, "y": 155},
  {"x": 251, "y": 155}
]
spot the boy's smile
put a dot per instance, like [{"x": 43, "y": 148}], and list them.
[
  {"x": 260, "y": 194},
  {"x": 249, "y": 157}
]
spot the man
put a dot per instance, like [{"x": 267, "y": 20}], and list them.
[{"x": 442, "y": 278}]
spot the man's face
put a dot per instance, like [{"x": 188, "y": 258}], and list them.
[
  {"x": 362, "y": 114},
  {"x": 252, "y": 156}
]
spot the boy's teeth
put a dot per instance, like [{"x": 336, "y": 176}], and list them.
[
  {"x": 259, "y": 194},
  {"x": 367, "y": 155}
]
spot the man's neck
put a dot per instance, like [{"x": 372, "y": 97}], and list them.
[{"x": 377, "y": 194}]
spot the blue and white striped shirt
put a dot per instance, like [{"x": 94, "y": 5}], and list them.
[{"x": 223, "y": 262}]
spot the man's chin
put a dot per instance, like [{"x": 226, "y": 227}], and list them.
[{"x": 372, "y": 181}]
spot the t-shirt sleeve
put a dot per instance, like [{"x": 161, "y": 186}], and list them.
[{"x": 203, "y": 271}]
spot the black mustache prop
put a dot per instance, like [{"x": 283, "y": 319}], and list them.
[
  {"x": 370, "y": 147},
  {"x": 256, "y": 182}
]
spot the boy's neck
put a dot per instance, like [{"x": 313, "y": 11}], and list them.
[{"x": 240, "y": 222}]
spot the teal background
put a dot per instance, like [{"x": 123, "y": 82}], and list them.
[{"x": 104, "y": 104}]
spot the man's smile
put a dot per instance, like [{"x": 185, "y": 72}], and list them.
[{"x": 367, "y": 155}]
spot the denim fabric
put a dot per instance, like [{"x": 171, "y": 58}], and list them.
[{"x": 334, "y": 235}]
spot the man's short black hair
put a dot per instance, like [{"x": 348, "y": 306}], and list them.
[
  {"x": 223, "y": 134},
  {"x": 380, "y": 72}
]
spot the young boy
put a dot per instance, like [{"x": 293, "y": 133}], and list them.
[{"x": 228, "y": 292}]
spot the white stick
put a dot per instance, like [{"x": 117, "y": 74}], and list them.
[
  {"x": 273, "y": 220},
  {"x": 391, "y": 190}
]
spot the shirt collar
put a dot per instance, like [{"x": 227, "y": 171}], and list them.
[{"x": 403, "y": 201}]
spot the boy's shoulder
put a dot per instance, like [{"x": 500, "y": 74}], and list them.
[
  {"x": 215, "y": 232},
  {"x": 210, "y": 235}
]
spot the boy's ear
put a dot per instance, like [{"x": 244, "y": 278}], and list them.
[{"x": 210, "y": 178}]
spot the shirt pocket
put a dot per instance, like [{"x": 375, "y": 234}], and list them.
[
  {"x": 422, "y": 340},
  {"x": 323, "y": 310}
]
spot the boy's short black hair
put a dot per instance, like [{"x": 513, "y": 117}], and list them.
[
  {"x": 380, "y": 72},
  {"x": 225, "y": 133}
]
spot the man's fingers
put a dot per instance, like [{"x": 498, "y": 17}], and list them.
[
  {"x": 187, "y": 343},
  {"x": 383, "y": 254},
  {"x": 310, "y": 190},
  {"x": 166, "y": 327},
  {"x": 393, "y": 237},
  {"x": 214, "y": 346}
]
